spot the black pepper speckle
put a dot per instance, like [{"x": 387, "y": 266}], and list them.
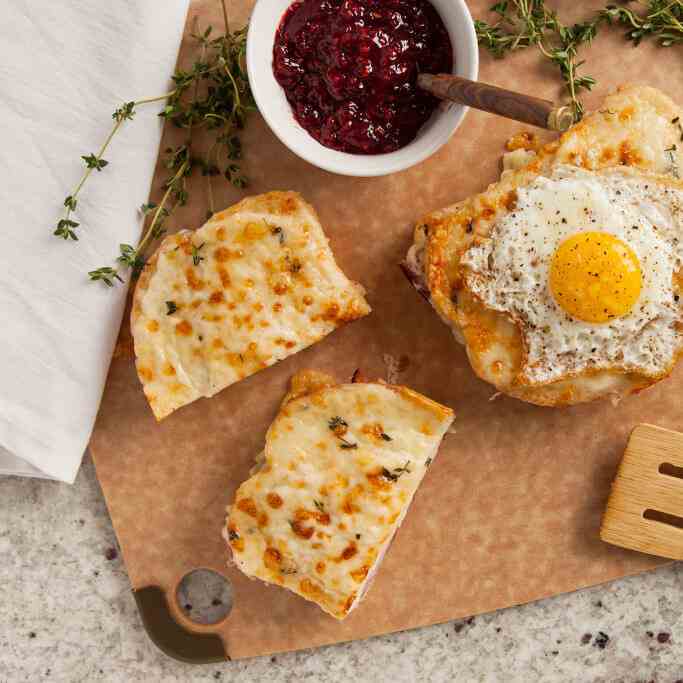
[{"x": 601, "y": 640}]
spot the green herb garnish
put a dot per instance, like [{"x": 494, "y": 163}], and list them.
[
  {"x": 673, "y": 166},
  {"x": 347, "y": 445},
  {"x": 661, "y": 20},
  {"x": 196, "y": 258},
  {"x": 106, "y": 275},
  {"x": 339, "y": 426},
  {"x": 171, "y": 307},
  {"x": 335, "y": 423},
  {"x": 525, "y": 23},
  {"x": 396, "y": 473},
  {"x": 277, "y": 230},
  {"x": 214, "y": 95}
]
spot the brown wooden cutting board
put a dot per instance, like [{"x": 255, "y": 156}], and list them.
[{"x": 510, "y": 511}]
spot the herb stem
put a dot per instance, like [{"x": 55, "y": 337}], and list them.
[
  {"x": 237, "y": 103},
  {"x": 523, "y": 23},
  {"x": 118, "y": 122},
  {"x": 158, "y": 98},
  {"x": 110, "y": 137},
  {"x": 212, "y": 153},
  {"x": 98, "y": 156},
  {"x": 225, "y": 17},
  {"x": 162, "y": 205}
]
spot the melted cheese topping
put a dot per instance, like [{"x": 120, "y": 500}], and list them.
[
  {"x": 253, "y": 286},
  {"x": 340, "y": 468}
]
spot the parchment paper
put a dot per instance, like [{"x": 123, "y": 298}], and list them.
[{"x": 509, "y": 512}]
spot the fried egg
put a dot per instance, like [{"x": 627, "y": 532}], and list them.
[{"x": 584, "y": 265}]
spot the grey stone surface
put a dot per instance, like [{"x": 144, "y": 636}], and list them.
[{"x": 67, "y": 614}]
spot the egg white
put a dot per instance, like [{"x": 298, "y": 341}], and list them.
[{"x": 509, "y": 272}]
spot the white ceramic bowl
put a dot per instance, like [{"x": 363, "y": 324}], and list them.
[{"x": 273, "y": 105}]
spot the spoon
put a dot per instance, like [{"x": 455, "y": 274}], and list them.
[{"x": 491, "y": 98}]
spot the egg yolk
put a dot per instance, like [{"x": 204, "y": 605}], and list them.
[{"x": 595, "y": 277}]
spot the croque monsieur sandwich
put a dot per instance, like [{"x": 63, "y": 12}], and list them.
[
  {"x": 564, "y": 279},
  {"x": 340, "y": 467},
  {"x": 254, "y": 285}
]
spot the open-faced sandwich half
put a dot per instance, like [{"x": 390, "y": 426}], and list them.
[
  {"x": 564, "y": 279},
  {"x": 340, "y": 467},
  {"x": 254, "y": 285}
]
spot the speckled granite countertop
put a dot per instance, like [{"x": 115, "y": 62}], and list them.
[{"x": 68, "y": 615}]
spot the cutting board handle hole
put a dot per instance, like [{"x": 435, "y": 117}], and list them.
[
  {"x": 664, "y": 518},
  {"x": 204, "y": 596},
  {"x": 671, "y": 470}
]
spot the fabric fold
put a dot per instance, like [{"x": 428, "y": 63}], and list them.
[{"x": 65, "y": 66}]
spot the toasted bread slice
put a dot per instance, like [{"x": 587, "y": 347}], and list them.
[
  {"x": 255, "y": 284},
  {"x": 636, "y": 127},
  {"x": 341, "y": 465}
]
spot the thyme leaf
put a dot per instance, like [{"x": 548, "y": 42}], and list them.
[
  {"x": 671, "y": 156},
  {"x": 339, "y": 426},
  {"x": 94, "y": 162},
  {"x": 396, "y": 473},
  {"x": 106, "y": 275},
  {"x": 277, "y": 230},
  {"x": 347, "y": 445},
  {"x": 196, "y": 257},
  {"x": 336, "y": 422}
]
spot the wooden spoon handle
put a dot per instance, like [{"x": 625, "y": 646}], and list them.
[{"x": 511, "y": 105}]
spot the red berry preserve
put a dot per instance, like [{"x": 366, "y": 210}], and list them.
[{"x": 349, "y": 69}]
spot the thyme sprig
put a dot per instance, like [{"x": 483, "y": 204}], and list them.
[
  {"x": 524, "y": 23},
  {"x": 661, "y": 20},
  {"x": 133, "y": 257},
  {"x": 96, "y": 162},
  {"x": 214, "y": 95}
]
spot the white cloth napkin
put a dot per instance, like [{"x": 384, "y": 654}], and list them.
[{"x": 65, "y": 66}]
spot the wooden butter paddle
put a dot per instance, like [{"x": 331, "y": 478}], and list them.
[{"x": 491, "y": 98}]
